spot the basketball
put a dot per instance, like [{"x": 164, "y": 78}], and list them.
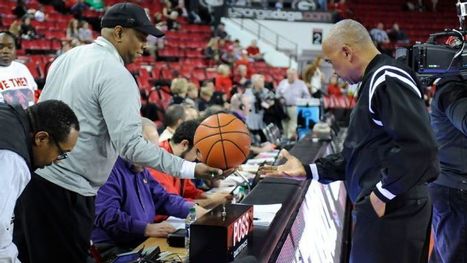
[{"x": 222, "y": 141}]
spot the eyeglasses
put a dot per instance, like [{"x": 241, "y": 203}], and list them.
[{"x": 63, "y": 155}]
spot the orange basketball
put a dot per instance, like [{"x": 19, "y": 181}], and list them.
[{"x": 223, "y": 141}]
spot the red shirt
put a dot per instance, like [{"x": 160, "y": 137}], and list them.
[
  {"x": 252, "y": 51},
  {"x": 334, "y": 90},
  {"x": 183, "y": 187},
  {"x": 223, "y": 84}
]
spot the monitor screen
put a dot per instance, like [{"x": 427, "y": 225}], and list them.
[{"x": 307, "y": 117}]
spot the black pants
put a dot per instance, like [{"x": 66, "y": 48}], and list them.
[
  {"x": 52, "y": 224},
  {"x": 449, "y": 224},
  {"x": 401, "y": 235}
]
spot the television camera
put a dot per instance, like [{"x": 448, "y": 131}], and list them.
[{"x": 432, "y": 59}]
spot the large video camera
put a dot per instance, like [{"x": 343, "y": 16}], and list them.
[{"x": 432, "y": 60}]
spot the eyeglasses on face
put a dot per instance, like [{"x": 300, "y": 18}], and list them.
[{"x": 62, "y": 154}]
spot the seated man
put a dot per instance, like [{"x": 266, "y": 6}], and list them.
[
  {"x": 127, "y": 204},
  {"x": 181, "y": 145},
  {"x": 174, "y": 115}
]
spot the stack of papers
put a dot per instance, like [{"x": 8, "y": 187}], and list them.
[
  {"x": 264, "y": 214},
  {"x": 177, "y": 223}
]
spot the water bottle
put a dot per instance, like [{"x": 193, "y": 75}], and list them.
[{"x": 189, "y": 219}]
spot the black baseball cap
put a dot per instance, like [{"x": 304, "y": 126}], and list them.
[{"x": 129, "y": 15}]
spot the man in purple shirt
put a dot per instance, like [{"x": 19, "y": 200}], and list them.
[{"x": 127, "y": 204}]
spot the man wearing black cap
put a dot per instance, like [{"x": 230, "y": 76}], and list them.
[{"x": 93, "y": 80}]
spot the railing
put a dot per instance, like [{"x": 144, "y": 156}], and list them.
[{"x": 267, "y": 35}]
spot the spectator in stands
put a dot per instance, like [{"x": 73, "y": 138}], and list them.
[
  {"x": 222, "y": 81},
  {"x": 191, "y": 113},
  {"x": 279, "y": 5},
  {"x": 157, "y": 18},
  {"x": 313, "y": 78},
  {"x": 167, "y": 9},
  {"x": 78, "y": 8},
  {"x": 228, "y": 57},
  {"x": 17, "y": 85},
  {"x": 220, "y": 31},
  {"x": 127, "y": 204},
  {"x": 291, "y": 89},
  {"x": 241, "y": 77},
  {"x": 420, "y": 5},
  {"x": 39, "y": 14},
  {"x": 94, "y": 80},
  {"x": 191, "y": 94},
  {"x": 434, "y": 4},
  {"x": 149, "y": 109},
  {"x": 397, "y": 35},
  {"x": 205, "y": 95},
  {"x": 65, "y": 46},
  {"x": 181, "y": 144},
  {"x": 212, "y": 50},
  {"x": 172, "y": 23},
  {"x": 253, "y": 51},
  {"x": 178, "y": 88},
  {"x": 334, "y": 89},
  {"x": 72, "y": 30},
  {"x": 15, "y": 28},
  {"x": 20, "y": 10},
  {"x": 174, "y": 116},
  {"x": 244, "y": 59},
  {"x": 340, "y": 8},
  {"x": 260, "y": 99},
  {"x": 27, "y": 29},
  {"x": 85, "y": 33},
  {"x": 237, "y": 48},
  {"x": 239, "y": 105},
  {"x": 29, "y": 139},
  {"x": 378, "y": 35}
]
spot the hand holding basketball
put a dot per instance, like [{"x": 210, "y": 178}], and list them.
[{"x": 202, "y": 171}]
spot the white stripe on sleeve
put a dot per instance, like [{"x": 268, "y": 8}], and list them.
[
  {"x": 384, "y": 192},
  {"x": 314, "y": 171}
]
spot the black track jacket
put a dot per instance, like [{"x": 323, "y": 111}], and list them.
[{"x": 389, "y": 147}]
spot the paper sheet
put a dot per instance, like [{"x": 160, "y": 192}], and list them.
[
  {"x": 177, "y": 223},
  {"x": 264, "y": 214}
]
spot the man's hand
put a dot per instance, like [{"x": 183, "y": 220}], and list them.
[
  {"x": 292, "y": 167},
  {"x": 200, "y": 211},
  {"x": 202, "y": 171},
  {"x": 158, "y": 229},
  {"x": 219, "y": 198},
  {"x": 378, "y": 205},
  {"x": 213, "y": 200}
]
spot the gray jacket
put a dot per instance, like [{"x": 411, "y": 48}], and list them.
[{"x": 94, "y": 82}]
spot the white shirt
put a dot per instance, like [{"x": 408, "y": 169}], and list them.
[
  {"x": 315, "y": 80},
  {"x": 14, "y": 176},
  {"x": 17, "y": 85},
  {"x": 166, "y": 134},
  {"x": 291, "y": 91}
]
